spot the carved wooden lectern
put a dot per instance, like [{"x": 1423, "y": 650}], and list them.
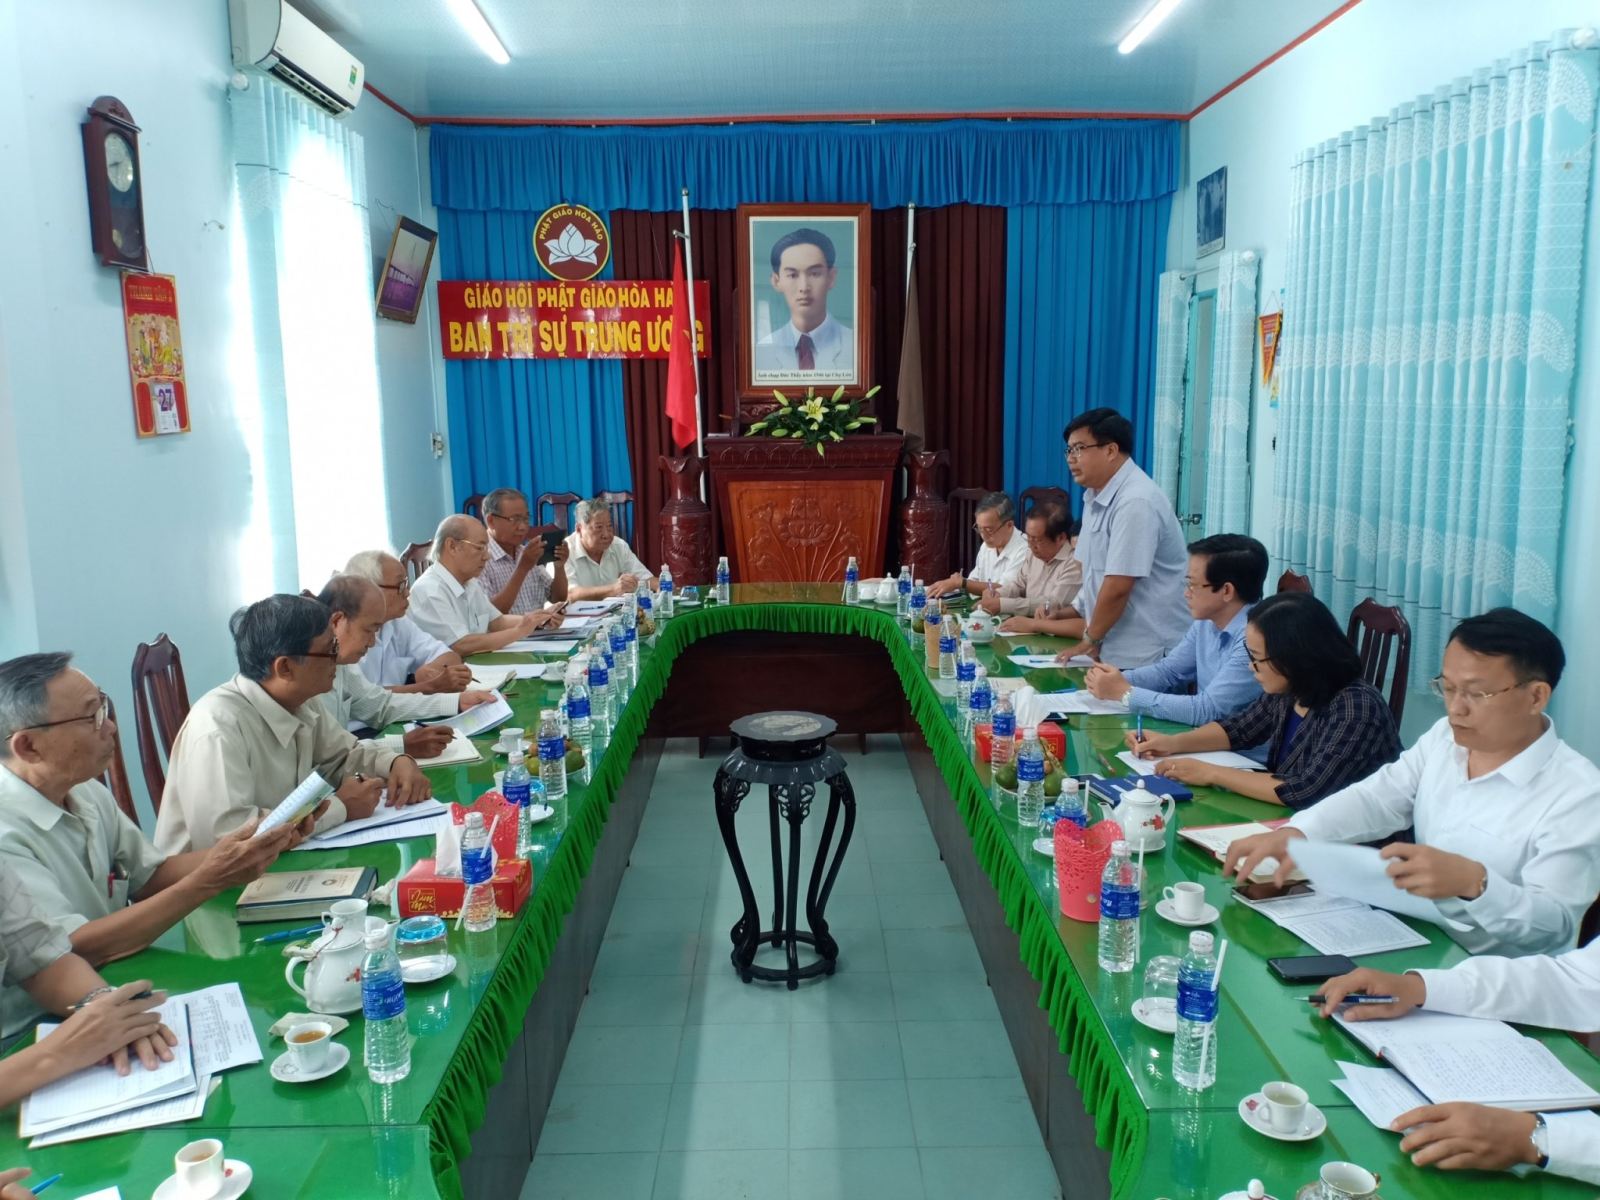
[{"x": 791, "y": 515}]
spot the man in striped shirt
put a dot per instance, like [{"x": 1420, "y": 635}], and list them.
[{"x": 513, "y": 579}]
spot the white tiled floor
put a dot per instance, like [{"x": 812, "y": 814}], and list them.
[{"x": 892, "y": 1079}]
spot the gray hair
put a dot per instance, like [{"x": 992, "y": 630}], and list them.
[
  {"x": 589, "y": 509},
  {"x": 1000, "y": 505},
  {"x": 347, "y": 593},
  {"x": 23, "y": 701},
  {"x": 493, "y": 502},
  {"x": 281, "y": 626},
  {"x": 369, "y": 564},
  {"x": 456, "y": 526}
]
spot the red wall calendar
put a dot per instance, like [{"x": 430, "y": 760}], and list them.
[{"x": 155, "y": 354}]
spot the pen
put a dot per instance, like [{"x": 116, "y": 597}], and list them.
[
  {"x": 285, "y": 935},
  {"x": 72, "y": 1008},
  {"x": 1357, "y": 998},
  {"x": 44, "y": 1183},
  {"x": 1138, "y": 731}
]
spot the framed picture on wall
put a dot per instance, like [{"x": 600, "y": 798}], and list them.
[
  {"x": 805, "y": 277},
  {"x": 1211, "y": 212},
  {"x": 405, "y": 271}
]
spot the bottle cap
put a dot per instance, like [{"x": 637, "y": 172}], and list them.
[
  {"x": 378, "y": 938},
  {"x": 1119, "y": 847},
  {"x": 1201, "y": 942},
  {"x": 474, "y": 820},
  {"x": 1029, "y": 731}
]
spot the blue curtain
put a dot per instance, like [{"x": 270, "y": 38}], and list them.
[
  {"x": 541, "y": 426},
  {"x": 1081, "y": 305},
  {"x": 1430, "y": 328}
]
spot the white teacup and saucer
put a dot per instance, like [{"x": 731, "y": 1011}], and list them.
[
  {"x": 1281, "y": 1110},
  {"x": 312, "y": 1054},
  {"x": 200, "y": 1172}
]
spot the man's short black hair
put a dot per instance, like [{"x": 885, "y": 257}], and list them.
[
  {"x": 1306, "y": 646},
  {"x": 804, "y": 236},
  {"x": 1106, "y": 425},
  {"x": 1535, "y": 652},
  {"x": 278, "y": 627},
  {"x": 1058, "y": 522},
  {"x": 1236, "y": 559}
]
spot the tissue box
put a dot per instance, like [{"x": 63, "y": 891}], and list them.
[
  {"x": 1050, "y": 734},
  {"x": 492, "y": 804},
  {"x": 423, "y": 890}
]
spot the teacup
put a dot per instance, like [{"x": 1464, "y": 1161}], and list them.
[
  {"x": 309, "y": 1043},
  {"x": 344, "y": 912},
  {"x": 510, "y": 737},
  {"x": 1285, "y": 1104},
  {"x": 1188, "y": 900},
  {"x": 199, "y": 1168},
  {"x": 1346, "y": 1181}
]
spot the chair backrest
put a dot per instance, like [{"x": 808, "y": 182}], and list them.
[
  {"x": 160, "y": 703},
  {"x": 473, "y": 505},
  {"x": 1379, "y": 632},
  {"x": 1290, "y": 582},
  {"x": 964, "y": 539},
  {"x": 561, "y": 505},
  {"x": 415, "y": 559},
  {"x": 1590, "y": 925},
  {"x": 116, "y": 774},
  {"x": 621, "y": 514},
  {"x": 1032, "y": 497}
]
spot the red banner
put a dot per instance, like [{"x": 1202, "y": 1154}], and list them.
[
  {"x": 598, "y": 318},
  {"x": 155, "y": 354}
]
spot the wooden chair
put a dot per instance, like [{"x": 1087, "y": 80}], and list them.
[
  {"x": 964, "y": 539},
  {"x": 621, "y": 514},
  {"x": 116, "y": 775},
  {"x": 473, "y": 505},
  {"x": 1290, "y": 582},
  {"x": 1033, "y": 497},
  {"x": 160, "y": 704},
  {"x": 415, "y": 559},
  {"x": 1376, "y": 630},
  {"x": 561, "y": 505}
]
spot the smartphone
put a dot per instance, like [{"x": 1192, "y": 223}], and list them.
[
  {"x": 1271, "y": 891},
  {"x": 1310, "y": 968},
  {"x": 552, "y": 538}
]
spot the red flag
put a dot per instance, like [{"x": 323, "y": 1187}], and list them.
[{"x": 682, "y": 402}]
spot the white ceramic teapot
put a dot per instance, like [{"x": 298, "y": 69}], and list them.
[
  {"x": 980, "y": 626},
  {"x": 333, "y": 961},
  {"x": 1144, "y": 817}
]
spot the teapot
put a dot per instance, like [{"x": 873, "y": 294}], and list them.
[
  {"x": 980, "y": 626},
  {"x": 1144, "y": 817},
  {"x": 333, "y": 962}
]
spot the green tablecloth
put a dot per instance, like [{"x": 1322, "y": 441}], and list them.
[{"x": 406, "y": 1139}]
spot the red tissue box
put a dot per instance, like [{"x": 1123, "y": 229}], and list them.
[
  {"x": 491, "y": 805},
  {"x": 1049, "y": 733},
  {"x": 423, "y": 890}
]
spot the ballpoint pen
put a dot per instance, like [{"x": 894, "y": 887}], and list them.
[
  {"x": 44, "y": 1183},
  {"x": 1138, "y": 729},
  {"x": 286, "y": 935},
  {"x": 1356, "y": 998}
]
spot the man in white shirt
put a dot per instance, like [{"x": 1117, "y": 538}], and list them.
[
  {"x": 1503, "y": 808},
  {"x": 403, "y": 651},
  {"x": 448, "y": 601},
  {"x": 599, "y": 563},
  {"x": 1002, "y": 552},
  {"x": 1559, "y": 993},
  {"x": 513, "y": 579},
  {"x": 804, "y": 271}
]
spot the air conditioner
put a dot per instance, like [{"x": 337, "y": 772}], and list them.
[{"x": 277, "y": 39}]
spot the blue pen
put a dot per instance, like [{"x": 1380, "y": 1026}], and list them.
[
  {"x": 1138, "y": 733},
  {"x": 290, "y": 934},
  {"x": 44, "y": 1183},
  {"x": 1354, "y": 998}
]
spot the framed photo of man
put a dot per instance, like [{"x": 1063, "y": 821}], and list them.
[{"x": 805, "y": 272}]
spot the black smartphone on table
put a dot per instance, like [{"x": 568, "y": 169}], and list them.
[{"x": 1310, "y": 968}]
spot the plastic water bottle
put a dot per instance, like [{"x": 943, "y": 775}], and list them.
[
  {"x": 578, "y": 720},
  {"x": 902, "y": 599},
  {"x": 517, "y": 787},
  {"x": 614, "y": 698},
  {"x": 722, "y": 591},
  {"x": 1002, "y": 743},
  {"x": 978, "y": 707},
  {"x": 1030, "y": 783},
  {"x": 1194, "y": 1046},
  {"x": 617, "y": 643},
  {"x": 477, "y": 869},
  {"x": 852, "y": 582},
  {"x": 1071, "y": 806},
  {"x": 918, "y": 610},
  {"x": 949, "y": 635},
  {"x": 600, "y": 694},
  {"x": 664, "y": 608},
  {"x": 643, "y": 606},
  {"x": 552, "y": 758},
  {"x": 966, "y": 670},
  {"x": 386, "y": 1048},
  {"x": 1119, "y": 912}
]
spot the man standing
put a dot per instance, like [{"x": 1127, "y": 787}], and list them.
[
  {"x": 513, "y": 579},
  {"x": 449, "y": 603},
  {"x": 1050, "y": 577},
  {"x": 1131, "y": 548},
  {"x": 600, "y": 563},
  {"x": 251, "y": 741},
  {"x": 803, "y": 273},
  {"x": 403, "y": 651},
  {"x": 1002, "y": 553}
]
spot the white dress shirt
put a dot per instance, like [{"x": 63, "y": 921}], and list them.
[
  {"x": 401, "y": 648},
  {"x": 1558, "y": 993},
  {"x": 1530, "y": 822},
  {"x": 449, "y": 609},
  {"x": 356, "y": 700},
  {"x": 1001, "y": 566},
  {"x": 833, "y": 349},
  {"x": 583, "y": 571}
]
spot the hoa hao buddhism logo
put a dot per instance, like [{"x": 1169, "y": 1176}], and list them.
[{"x": 571, "y": 242}]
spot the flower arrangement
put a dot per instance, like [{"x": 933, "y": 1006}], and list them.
[{"x": 815, "y": 420}]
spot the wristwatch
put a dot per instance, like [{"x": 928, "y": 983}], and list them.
[
  {"x": 101, "y": 991},
  {"x": 1540, "y": 1137}
]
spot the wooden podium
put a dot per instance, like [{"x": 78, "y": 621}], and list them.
[{"x": 790, "y": 515}]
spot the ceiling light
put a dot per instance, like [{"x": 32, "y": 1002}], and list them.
[
  {"x": 470, "y": 17},
  {"x": 1148, "y": 24}
]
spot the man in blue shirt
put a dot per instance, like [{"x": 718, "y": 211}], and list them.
[{"x": 1226, "y": 574}]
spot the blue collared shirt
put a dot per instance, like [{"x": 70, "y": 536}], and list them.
[{"x": 1212, "y": 659}]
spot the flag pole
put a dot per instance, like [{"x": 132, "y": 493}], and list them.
[
  {"x": 694, "y": 341},
  {"x": 911, "y": 243}
]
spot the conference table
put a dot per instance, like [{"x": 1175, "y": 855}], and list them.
[{"x": 489, "y": 1039}]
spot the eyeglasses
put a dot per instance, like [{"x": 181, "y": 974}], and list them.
[
  {"x": 1074, "y": 449},
  {"x": 402, "y": 588},
  {"x": 98, "y": 716},
  {"x": 510, "y": 518},
  {"x": 1449, "y": 693},
  {"x": 479, "y": 546},
  {"x": 1044, "y": 540},
  {"x": 331, "y": 655},
  {"x": 991, "y": 530},
  {"x": 1254, "y": 660},
  {"x": 1190, "y": 585}
]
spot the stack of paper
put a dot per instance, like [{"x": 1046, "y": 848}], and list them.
[
  {"x": 1338, "y": 925},
  {"x": 1038, "y": 661},
  {"x": 591, "y": 607},
  {"x": 492, "y": 677},
  {"x": 542, "y": 646},
  {"x": 481, "y": 718},
  {"x": 384, "y": 825},
  {"x": 460, "y": 750},
  {"x": 1361, "y": 873},
  {"x": 1077, "y": 701},
  {"x": 1217, "y": 758}
]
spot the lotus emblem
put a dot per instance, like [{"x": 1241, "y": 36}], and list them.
[{"x": 571, "y": 246}]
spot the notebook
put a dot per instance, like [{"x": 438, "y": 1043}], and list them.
[
  {"x": 1112, "y": 790},
  {"x": 1217, "y": 758},
  {"x": 98, "y": 1091},
  {"x": 1215, "y": 839},
  {"x": 295, "y": 895}
]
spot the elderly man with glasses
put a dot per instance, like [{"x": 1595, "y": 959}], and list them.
[
  {"x": 449, "y": 602},
  {"x": 1002, "y": 554},
  {"x": 1047, "y": 581},
  {"x": 403, "y": 658},
  {"x": 1503, "y": 808},
  {"x": 248, "y": 743},
  {"x": 514, "y": 579},
  {"x": 600, "y": 563}
]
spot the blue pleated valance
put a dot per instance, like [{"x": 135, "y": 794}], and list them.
[{"x": 1006, "y": 163}]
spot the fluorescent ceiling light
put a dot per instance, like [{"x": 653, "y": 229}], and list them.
[
  {"x": 470, "y": 17},
  {"x": 1148, "y": 24}
]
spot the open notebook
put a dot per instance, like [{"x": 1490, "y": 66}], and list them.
[
  {"x": 1215, "y": 839},
  {"x": 1449, "y": 1058}
]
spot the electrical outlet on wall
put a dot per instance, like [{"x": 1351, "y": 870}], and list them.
[{"x": 436, "y": 440}]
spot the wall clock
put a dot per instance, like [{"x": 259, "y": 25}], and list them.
[{"x": 116, "y": 185}]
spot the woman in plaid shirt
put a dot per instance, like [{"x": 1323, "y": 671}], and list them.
[{"x": 1323, "y": 725}]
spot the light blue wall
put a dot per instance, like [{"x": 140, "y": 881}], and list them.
[
  {"x": 104, "y": 541},
  {"x": 1378, "y": 55}
]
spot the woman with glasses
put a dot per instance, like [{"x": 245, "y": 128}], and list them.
[{"x": 1323, "y": 725}]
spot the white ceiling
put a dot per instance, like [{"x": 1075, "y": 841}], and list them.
[{"x": 622, "y": 59}]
